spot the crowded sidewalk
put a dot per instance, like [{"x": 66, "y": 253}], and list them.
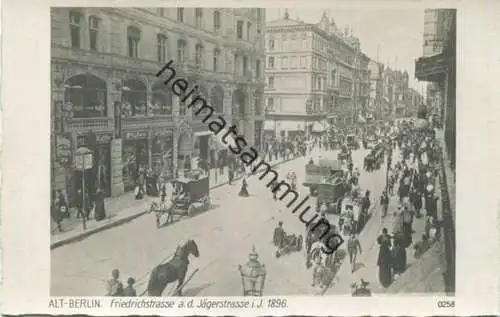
[{"x": 125, "y": 208}]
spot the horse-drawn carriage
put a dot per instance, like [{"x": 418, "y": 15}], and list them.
[
  {"x": 374, "y": 159},
  {"x": 322, "y": 173},
  {"x": 191, "y": 196},
  {"x": 350, "y": 213},
  {"x": 351, "y": 142},
  {"x": 329, "y": 195},
  {"x": 344, "y": 154}
]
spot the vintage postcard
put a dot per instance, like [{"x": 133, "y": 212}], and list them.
[{"x": 246, "y": 159}]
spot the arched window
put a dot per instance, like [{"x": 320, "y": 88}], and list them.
[
  {"x": 133, "y": 37},
  {"x": 161, "y": 45},
  {"x": 93, "y": 32},
  {"x": 162, "y": 102},
  {"x": 134, "y": 98},
  {"x": 75, "y": 18},
  {"x": 217, "y": 99},
  {"x": 86, "y": 96}
]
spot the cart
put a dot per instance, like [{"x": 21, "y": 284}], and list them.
[{"x": 192, "y": 196}]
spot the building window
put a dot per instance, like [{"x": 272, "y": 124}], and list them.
[
  {"x": 134, "y": 37},
  {"x": 199, "y": 55},
  {"x": 199, "y": 17},
  {"x": 257, "y": 69},
  {"x": 162, "y": 100},
  {"x": 161, "y": 44},
  {"x": 160, "y": 12},
  {"x": 239, "y": 30},
  {"x": 270, "y": 62},
  {"x": 181, "y": 50},
  {"x": 216, "y": 59},
  {"x": 216, "y": 22},
  {"x": 271, "y": 45},
  {"x": 245, "y": 66},
  {"x": 93, "y": 32},
  {"x": 217, "y": 99},
  {"x": 75, "y": 27},
  {"x": 249, "y": 31},
  {"x": 180, "y": 14},
  {"x": 270, "y": 104},
  {"x": 270, "y": 82},
  {"x": 319, "y": 83}
]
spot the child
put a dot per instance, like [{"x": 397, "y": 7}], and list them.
[{"x": 129, "y": 291}]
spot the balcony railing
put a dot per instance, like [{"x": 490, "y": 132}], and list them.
[
  {"x": 141, "y": 121},
  {"x": 94, "y": 124}
]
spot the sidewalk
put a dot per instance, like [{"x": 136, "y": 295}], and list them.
[
  {"x": 122, "y": 209},
  {"x": 366, "y": 263}
]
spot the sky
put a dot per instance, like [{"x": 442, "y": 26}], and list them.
[{"x": 397, "y": 34}]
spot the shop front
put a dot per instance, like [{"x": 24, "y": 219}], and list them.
[
  {"x": 184, "y": 146},
  {"x": 202, "y": 152},
  {"x": 162, "y": 153},
  {"x": 135, "y": 156},
  {"x": 99, "y": 176}
]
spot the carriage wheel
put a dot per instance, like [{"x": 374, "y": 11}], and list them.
[
  {"x": 300, "y": 241},
  {"x": 190, "y": 210}
]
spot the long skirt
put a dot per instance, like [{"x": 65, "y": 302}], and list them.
[
  {"x": 385, "y": 275},
  {"x": 244, "y": 192}
]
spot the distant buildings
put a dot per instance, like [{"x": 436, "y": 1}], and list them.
[
  {"x": 315, "y": 73},
  {"x": 106, "y": 96}
]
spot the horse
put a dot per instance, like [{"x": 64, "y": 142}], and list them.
[
  {"x": 173, "y": 270},
  {"x": 160, "y": 208}
]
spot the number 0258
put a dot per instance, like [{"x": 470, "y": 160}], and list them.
[{"x": 445, "y": 304}]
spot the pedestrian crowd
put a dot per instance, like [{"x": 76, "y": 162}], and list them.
[
  {"x": 114, "y": 287},
  {"x": 413, "y": 180}
]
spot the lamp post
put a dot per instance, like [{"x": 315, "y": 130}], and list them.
[{"x": 253, "y": 275}]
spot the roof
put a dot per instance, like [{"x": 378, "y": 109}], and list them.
[{"x": 284, "y": 22}]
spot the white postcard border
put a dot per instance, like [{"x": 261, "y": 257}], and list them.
[{"x": 25, "y": 194}]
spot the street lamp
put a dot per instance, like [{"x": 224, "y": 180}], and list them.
[{"x": 253, "y": 275}]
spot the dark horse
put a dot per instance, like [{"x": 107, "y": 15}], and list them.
[{"x": 173, "y": 270}]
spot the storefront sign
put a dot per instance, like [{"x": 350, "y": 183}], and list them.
[
  {"x": 63, "y": 150},
  {"x": 83, "y": 159},
  {"x": 163, "y": 132},
  {"x": 101, "y": 138},
  {"x": 136, "y": 135},
  {"x": 429, "y": 66}
]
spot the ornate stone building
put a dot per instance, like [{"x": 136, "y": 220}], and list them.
[
  {"x": 310, "y": 75},
  {"x": 106, "y": 95}
]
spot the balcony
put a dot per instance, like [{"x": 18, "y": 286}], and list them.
[
  {"x": 94, "y": 124},
  {"x": 148, "y": 121}
]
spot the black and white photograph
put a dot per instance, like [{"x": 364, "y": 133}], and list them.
[{"x": 200, "y": 151}]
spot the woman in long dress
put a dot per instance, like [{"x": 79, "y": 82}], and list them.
[
  {"x": 100, "y": 211},
  {"x": 384, "y": 260},
  {"x": 244, "y": 188}
]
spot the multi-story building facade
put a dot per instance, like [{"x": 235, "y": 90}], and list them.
[
  {"x": 107, "y": 97},
  {"x": 309, "y": 75},
  {"x": 376, "y": 87},
  {"x": 439, "y": 68}
]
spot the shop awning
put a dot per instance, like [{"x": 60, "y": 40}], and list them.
[
  {"x": 290, "y": 125},
  {"x": 269, "y": 125},
  {"x": 318, "y": 127}
]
